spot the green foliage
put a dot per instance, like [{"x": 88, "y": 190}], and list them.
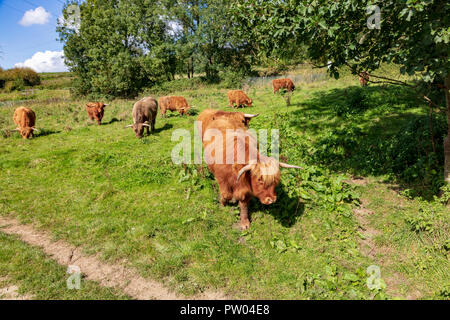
[
  {"x": 356, "y": 103},
  {"x": 122, "y": 47},
  {"x": 408, "y": 155},
  {"x": 18, "y": 78},
  {"x": 232, "y": 79}
]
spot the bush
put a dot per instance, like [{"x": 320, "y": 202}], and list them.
[
  {"x": 18, "y": 78},
  {"x": 231, "y": 79}
]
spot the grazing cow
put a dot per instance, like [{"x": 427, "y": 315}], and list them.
[
  {"x": 144, "y": 116},
  {"x": 25, "y": 119},
  {"x": 173, "y": 103},
  {"x": 364, "y": 78},
  {"x": 283, "y": 84},
  {"x": 239, "y": 98},
  {"x": 96, "y": 110},
  {"x": 255, "y": 176}
]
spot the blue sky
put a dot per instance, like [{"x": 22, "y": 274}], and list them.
[{"x": 30, "y": 39}]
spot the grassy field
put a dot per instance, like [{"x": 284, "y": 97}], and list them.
[{"x": 124, "y": 199}]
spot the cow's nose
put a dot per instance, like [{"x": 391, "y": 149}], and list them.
[{"x": 271, "y": 200}]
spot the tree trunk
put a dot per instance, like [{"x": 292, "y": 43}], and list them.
[{"x": 447, "y": 139}]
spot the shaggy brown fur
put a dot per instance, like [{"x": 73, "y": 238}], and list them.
[
  {"x": 173, "y": 103},
  {"x": 283, "y": 84},
  {"x": 364, "y": 78},
  {"x": 96, "y": 110},
  {"x": 238, "y": 98},
  {"x": 259, "y": 182},
  {"x": 144, "y": 116},
  {"x": 25, "y": 119}
]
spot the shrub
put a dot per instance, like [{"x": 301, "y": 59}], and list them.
[
  {"x": 231, "y": 79},
  {"x": 18, "y": 78}
]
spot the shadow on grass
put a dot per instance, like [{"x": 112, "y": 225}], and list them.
[
  {"x": 285, "y": 210},
  {"x": 45, "y": 133},
  {"x": 167, "y": 126},
  {"x": 376, "y": 131},
  {"x": 113, "y": 120}
]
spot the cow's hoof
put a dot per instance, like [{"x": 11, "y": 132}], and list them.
[{"x": 245, "y": 225}]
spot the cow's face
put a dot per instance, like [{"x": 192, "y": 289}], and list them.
[
  {"x": 264, "y": 192},
  {"x": 265, "y": 176},
  {"x": 183, "y": 111},
  {"x": 293, "y": 87},
  {"x": 26, "y": 132},
  {"x": 249, "y": 102},
  {"x": 99, "y": 112},
  {"x": 139, "y": 130}
]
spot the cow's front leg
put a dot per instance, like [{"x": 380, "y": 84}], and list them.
[
  {"x": 225, "y": 194},
  {"x": 245, "y": 219}
]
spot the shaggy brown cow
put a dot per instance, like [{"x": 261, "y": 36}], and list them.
[
  {"x": 238, "y": 181},
  {"x": 96, "y": 111},
  {"x": 144, "y": 116},
  {"x": 283, "y": 84},
  {"x": 173, "y": 103},
  {"x": 25, "y": 119},
  {"x": 238, "y": 98},
  {"x": 364, "y": 78}
]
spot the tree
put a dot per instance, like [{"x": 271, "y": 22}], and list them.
[
  {"x": 361, "y": 34},
  {"x": 118, "y": 48},
  {"x": 206, "y": 39}
]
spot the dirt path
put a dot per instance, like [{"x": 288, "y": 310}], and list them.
[
  {"x": 109, "y": 275},
  {"x": 11, "y": 292},
  {"x": 379, "y": 254}
]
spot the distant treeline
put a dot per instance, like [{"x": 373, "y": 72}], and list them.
[{"x": 117, "y": 48}]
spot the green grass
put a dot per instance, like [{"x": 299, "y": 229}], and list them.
[
  {"x": 39, "y": 277},
  {"x": 122, "y": 198}
]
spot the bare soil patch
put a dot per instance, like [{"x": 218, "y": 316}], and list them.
[{"x": 11, "y": 292}]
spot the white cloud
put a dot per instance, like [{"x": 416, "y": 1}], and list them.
[
  {"x": 48, "y": 61},
  {"x": 36, "y": 16}
]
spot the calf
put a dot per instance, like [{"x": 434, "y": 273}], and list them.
[
  {"x": 238, "y": 98},
  {"x": 96, "y": 111},
  {"x": 364, "y": 78},
  {"x": 25, "y": 119},
  {"x": 144, "y": 116},
  {"x": 256, "y": 177},
  {"x": 283, "y": 84},
  {"x": 173, "y": 103}
]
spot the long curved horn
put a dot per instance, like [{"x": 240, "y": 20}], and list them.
[
  {"x": 247, "y": 115},
  {"x": 244, "y": 170},
  {"x": 289, "y": 166},
  {"x": 145, "y": 125},
  {"x": 129, "y": 126},
  {"x": 34, "y": 129}
]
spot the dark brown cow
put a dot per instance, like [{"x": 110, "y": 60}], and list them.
[
  {"x": 238, "y": 98},
  {"x": 283, "y": 84},
  {"x": 144, "y": 116},
  {"x": 237, "y": 181},
  {"x": 364, "y": 78},
  {"x": 96, "y": 110},
  {"x": 25, "y": 119},
  {"x": 173, "y": 103}
]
